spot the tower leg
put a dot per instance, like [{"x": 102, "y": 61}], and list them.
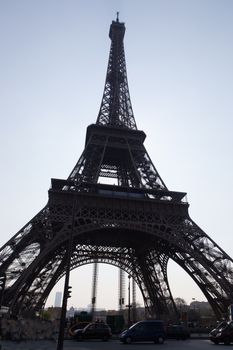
[{"x": 158, "y": 299}]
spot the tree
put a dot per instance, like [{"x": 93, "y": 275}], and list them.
[{"x": 180, "y": 304}]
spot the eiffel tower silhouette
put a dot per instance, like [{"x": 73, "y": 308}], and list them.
[{"x": 119, "y": 212}]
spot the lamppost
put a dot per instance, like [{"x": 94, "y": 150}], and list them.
[
  {"x": 129, "y": 305},
  {"x": 67, "y": 288}
]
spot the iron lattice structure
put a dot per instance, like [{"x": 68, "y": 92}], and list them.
[{"x": 137, "y": 224}]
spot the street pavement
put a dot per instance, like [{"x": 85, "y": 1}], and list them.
[{"x": 191, "y": 344}]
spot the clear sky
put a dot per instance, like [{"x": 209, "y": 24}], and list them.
[{"x": 53, "y": 62}]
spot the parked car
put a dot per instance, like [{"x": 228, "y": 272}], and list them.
[
  {"x": 222, "y": 334},
  {"x": 219, "y": 326},
  {"x": 97, "y": 330},
  {"x": 177, "y": 332},
  {"x": 149, "y": 330},
  {"x": 74, "y": 327}
]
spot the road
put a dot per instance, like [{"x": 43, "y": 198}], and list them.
[{"x": 193, "y": 344}]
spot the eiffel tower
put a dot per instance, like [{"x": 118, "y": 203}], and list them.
[{"x": 120, "y": 212}]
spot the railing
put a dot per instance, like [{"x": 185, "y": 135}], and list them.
[{"x": 58, "y": 185}]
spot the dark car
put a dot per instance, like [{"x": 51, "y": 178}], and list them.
[
  {"x": 97, "y": 330},
  {"x": 74, "y": 327},
  {"x": 149, "y": 330},
  {"x": 219, "y": 326},
  {"x": 177, "y": 332},
  {"x": 222, "y": 334}
]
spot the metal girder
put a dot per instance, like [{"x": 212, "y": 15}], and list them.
[
  {"x": 147, "y": 232},
  {"x": 103, "y": 158}
]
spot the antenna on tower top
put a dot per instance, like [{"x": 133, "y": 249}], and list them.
[{"x": 117, "y": 19}]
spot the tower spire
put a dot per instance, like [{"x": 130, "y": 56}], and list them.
[{"x": 116, "y": 108}]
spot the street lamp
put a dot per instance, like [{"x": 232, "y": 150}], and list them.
[
  {"x": 129, "y": 305},
  {"x": 67, "y": 288}
]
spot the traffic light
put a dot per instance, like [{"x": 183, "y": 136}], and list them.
[
  {"x": 2, "y": 281},
  {"x": 121, "y": 301},
  {"x": 69, "y": 292}
]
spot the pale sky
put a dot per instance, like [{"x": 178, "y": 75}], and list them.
[{"x": 53, "y": 63}]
